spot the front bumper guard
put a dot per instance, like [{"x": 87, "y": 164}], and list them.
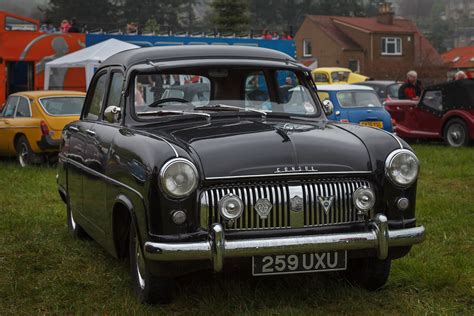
[{"x": 216, "y": 248}]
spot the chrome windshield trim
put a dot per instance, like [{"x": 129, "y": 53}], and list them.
[{"x": 288, "y": 174}]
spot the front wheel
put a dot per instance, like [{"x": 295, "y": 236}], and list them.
[
  {"x": 74, "y": 228},
  {"x": 368, "y": 273},
  {"x": 147, "y": 288},
  {"x": 456, "y": 133}
]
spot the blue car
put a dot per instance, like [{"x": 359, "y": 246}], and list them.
[{"x": 356, "y": 104}]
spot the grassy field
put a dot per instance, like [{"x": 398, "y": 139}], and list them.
[{"x": 44, "y": 271}]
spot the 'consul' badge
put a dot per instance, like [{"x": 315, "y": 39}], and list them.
[
  {"x": 326, "y": 202},
  {"x": 296, "y": 204},
  {"x": 263, "y": 207}
]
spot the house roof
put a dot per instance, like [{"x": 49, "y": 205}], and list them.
[
  {"x": 327, "y": 25},
  {"x": 461, "y": 57},
  {"x": 400, "y": 25}
]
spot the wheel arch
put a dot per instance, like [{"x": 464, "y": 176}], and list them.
[
  {"x": 455, "y": 115},
  {"x": 122, "y": 217}
]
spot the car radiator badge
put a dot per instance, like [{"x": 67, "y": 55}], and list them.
[
  {"x": 326, "y": 202},
  {"x": 263, "y": 207},
  {"x": 296, "y": 204}
]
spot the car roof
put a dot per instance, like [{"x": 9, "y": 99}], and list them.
[
  {"x": 343, "y": 87},
  {"x": 49, "y": 93},
  {"x": 378, "y": 82},
  {"x": 193, "y": 52},
  {"x": 330, "y": 69}
]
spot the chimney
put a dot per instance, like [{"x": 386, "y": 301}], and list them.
[{"x": 385, "y": 15}]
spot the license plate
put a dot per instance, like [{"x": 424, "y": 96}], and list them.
[
  {"x": 378, "y": 124},
  {"x": 299, "y": 263}
]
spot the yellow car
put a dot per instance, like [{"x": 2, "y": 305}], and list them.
[
  {"x": 331, "y": 75},
  {"x": 31, "y": 123}
]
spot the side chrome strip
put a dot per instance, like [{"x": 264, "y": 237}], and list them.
[
  {"x": 98, "y": 174},
  {"x": 288, "y": 174}
]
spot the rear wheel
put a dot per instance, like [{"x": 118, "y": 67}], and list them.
[
  {"x": 456, "y": 133},
  {"x": 368, "y": 273},
  {"x": 147, "y": 288},
  {"x": 24, "y": 154}
]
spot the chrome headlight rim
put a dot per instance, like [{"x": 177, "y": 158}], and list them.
[
  {"x": 162, "y": 178},
  {"x": 390, "y": 159}
]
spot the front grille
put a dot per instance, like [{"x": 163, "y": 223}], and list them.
[{"x": 282, "y": 213}]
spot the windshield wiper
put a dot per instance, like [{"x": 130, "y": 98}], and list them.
[
  {"x": 150, "y": 113},
  {"x": 229, "y": 107}
]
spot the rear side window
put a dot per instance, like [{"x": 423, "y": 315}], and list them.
[
  {"x": 23, "y": 109},
  {"x": 94, "y": 105},
  {"x": 9, "y": 110},
  {"x": 321, "y": 77},
  {"x": 60, "y": 106}
]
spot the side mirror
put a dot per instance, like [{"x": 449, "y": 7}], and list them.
[
  {"x": 328, "y": 107},
  {"x": 112, "y": 114}
]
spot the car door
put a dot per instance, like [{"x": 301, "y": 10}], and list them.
[
  {"x": 98, "y": 154},
  {"x": 79, "y": 171},
  {"x": 427, "y": 113},
  {"x": 6, "y": 120}
]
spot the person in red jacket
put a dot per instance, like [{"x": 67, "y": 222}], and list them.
[{"x": 412, "y": 88}]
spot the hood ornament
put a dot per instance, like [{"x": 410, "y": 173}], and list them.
[
  {"x": 263, "y": 207},
  {"x": 326, "y": 202}
]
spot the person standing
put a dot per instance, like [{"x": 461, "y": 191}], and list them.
[
  {"x": 74, "y": 26},
  {"x": 65, "y": 26},
  {"x": 412, "y": 88}
]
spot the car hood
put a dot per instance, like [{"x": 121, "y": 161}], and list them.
[{"x": 246, "y": 147}]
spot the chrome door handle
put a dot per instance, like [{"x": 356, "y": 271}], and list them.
[
  {"x": 90, "y": 132},
  {"x": 73, "y": 128}
]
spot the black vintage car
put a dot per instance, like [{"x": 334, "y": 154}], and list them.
[{"x": 242, "y": 172}]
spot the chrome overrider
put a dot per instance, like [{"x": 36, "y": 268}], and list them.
[{"x": 216, "y": 248}]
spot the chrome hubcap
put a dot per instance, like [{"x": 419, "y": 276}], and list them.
[
  {"x": 23, "y": 157},
  {"x": 455, "y": 135},
  {"x": 73, "y": 222},
  {"x": 140, "y": 265}
]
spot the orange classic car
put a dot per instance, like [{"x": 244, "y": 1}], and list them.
[{"x": 31, "y": 123}]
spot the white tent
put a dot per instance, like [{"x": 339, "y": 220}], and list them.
[{"x": 89, "y": 58}]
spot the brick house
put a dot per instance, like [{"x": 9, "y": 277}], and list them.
[
  {"x": 461, "y": 58},
  {"x": 381, "y": 47}
]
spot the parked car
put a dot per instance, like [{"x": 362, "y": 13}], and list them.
[
  {"x": 385, "y": 89},
  {"x": 355, "y": 104},
  {"x": 445, "y": 111},
  {"x": 246, "y": 177},
  {"x": 32, "y": 121},
  {"x": 332, "y": 75}
]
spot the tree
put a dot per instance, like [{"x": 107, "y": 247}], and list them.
[
  {"x": 90, "y": 13},
  {"x": 230, "y": 15}
]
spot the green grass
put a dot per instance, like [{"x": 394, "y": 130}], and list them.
[{"x": 44, "y": 271}]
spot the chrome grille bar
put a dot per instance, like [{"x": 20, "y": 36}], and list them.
[{"x": 281, "y": 215}]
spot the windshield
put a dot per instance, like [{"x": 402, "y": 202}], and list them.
[
  {"x": 352, "y": 99},
  {"x": 60, "y": 106},
  {"x": 223, "y": 89}
]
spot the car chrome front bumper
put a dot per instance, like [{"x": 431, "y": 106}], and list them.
[{"x": 216, "y": 248}]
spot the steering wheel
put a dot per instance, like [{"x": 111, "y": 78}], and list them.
[{"x": 159, "y": 103}]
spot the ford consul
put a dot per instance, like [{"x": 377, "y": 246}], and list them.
[{"x": 188, "y": 159}]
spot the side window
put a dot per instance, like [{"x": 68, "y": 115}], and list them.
[
  {"x": 433, "y": 100},
  {"x": 94, "y": 105},
  {"x": 23, "y": 109},
  {"x": 9, "y": 110},
  {"x": 256, "y": 91},
  {"x": 115, "y": 91},
  {"x": 321, "y": 77}
]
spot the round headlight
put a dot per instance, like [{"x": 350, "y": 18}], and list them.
[
  {"x": 364, "y": 198},
  {"x": 178, "y": 178},
  {"x": 231, "y": 206},
  {"x": 401, "y": 167}
]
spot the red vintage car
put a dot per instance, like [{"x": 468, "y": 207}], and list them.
[{"x": 445, "y": 111}]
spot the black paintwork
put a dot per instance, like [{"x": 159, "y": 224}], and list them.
[{"x": 107, "y": 167}]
